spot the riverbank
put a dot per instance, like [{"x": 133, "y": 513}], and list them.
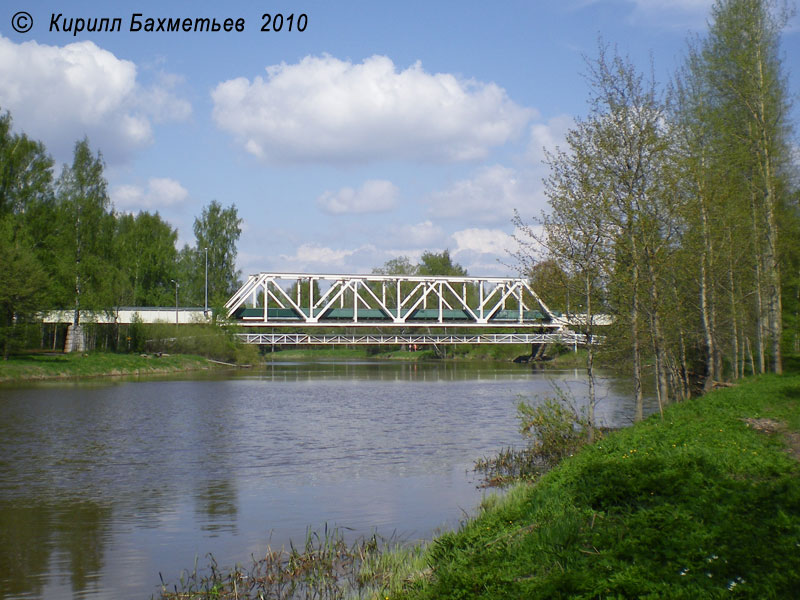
[
  {"x": 477, "y": 352},
  {"x": 32, "y": 367},
  {"x": 702, "y": 504}
]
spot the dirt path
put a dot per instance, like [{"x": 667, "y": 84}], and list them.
[{"x": 772, "y": 427}]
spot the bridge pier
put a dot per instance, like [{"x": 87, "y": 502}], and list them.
[
  {"x": 76, "y": 341},
  {"x": 537, "y": 350}
]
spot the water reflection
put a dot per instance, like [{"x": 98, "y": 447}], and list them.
[
  {"x": 36, "y": 536},
  {"x": 216, "y": 506},
  {"x": 103, "y": 486}
]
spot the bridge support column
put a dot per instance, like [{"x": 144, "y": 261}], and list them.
[
  {"x": 75, "y": 342},
  {"x": 537, "y": 351}
]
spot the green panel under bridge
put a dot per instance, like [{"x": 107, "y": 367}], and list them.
[{"x": 378, "y": 316}]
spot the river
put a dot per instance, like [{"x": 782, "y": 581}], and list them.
[{"x": 104, "y": 484}]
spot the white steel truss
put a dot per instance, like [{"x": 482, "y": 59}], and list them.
[
  {"x": 292, "y": 299},
  {"x": 277, "y": 339}
]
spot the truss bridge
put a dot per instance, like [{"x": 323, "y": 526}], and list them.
[{"x": 315, "y": 309}]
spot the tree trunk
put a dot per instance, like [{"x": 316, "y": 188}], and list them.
[
  {"x": 708, "y": 334},
  {"x": 759, "y": 292},
  {"x": 590, "y": 354},
  {"x": 734, "y": 311},
  {"x": 637, "y": 361}
]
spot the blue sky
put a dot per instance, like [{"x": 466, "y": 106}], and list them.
[{"x": 383, "y": 129}]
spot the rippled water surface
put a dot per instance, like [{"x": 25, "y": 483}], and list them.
[{"x": 105, "y": 484}]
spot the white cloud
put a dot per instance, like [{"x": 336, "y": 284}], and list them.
[
  {"x": 59, "y": 94},
  {"x": 483, "y": 241},
  {"x": 375, "y": 195},
  {"x": 323, "y": 109},
  {"x": 489, "y": 251},
  {"x": 672, "y": 13},
  {"x": 424, "y": 234},
  {"x": 161, "y": 192},
  {"x": 674, "y": 5},
  {"x": 315, "y": 258},
  {"x": 488, "y": 197},
  {"x": 549, "y": 136}
]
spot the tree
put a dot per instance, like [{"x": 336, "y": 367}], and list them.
[
  {"x": 432, "y": 263},
  {"x": 731, "y": 105},
  {"x": 743, "y": 70},
  {"x": 85, "y": 233},
  {"x": 396, "y": 266},
  {"x": 575, "y": 237},
  {"x": 144, "y": 251},
  {"x": 26, "y": 185},
  {"x": 217, "y": 229},
  {"x": 551, "y": 281},
  {"x": 25, "y": 170},
  {"x": 22, "y": 282}
]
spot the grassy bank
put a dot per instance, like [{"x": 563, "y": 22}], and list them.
[
  {"x": 94, "y": 364},
  {"x": 466, "y": 352},
  {"x": 704, "y": 504}
]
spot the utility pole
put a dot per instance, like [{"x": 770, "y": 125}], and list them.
[
  {"x": 177, "y": 285},
  {"x": 205, "y": 309}
]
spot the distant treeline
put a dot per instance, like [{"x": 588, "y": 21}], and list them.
[{"x": 63, "y": 245}]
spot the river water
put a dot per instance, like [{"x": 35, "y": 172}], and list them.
[{"x": 105, "y": 484}]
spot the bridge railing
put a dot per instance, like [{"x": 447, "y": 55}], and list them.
[{"x": 372, "y": 339}]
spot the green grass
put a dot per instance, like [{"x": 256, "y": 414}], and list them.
[
  {"x": 499, "y": 352},
  {"x": 94, "y": 364},
  {"x": 700, "y": 505},
  {"x": 325, "y": 567},
  {"x": 321, "y": 353}
]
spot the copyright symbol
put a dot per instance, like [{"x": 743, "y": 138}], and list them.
[{"x": 22, "y": 22}]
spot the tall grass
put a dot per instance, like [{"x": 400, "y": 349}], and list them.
[
  {"x": 553, "y": 430},
  {"x": 325, "y": 567}
]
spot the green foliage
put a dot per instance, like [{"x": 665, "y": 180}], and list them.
[
  {"x": 85, "y": 235},
  {"x": 25, "y": 171},
  {"x": 22, "y": 282},
  {"x": 433, "y": 263},
  {"x": 94, "y": 364},
  {"x": 145, "y": 255},
  {"x": 211, "y": 341},
  {"x": 396, "y": 266},
  {"x": 553, "y": 430},
  {"x": 217, "y": 229}
]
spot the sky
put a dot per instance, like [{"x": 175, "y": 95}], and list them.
[{"x": 383, "y": 129}]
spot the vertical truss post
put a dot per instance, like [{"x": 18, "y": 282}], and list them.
[
  {"x": 480, "y": 284},
  {"x": 398, "y": 316},
  {"x": 311, "y": 298},
  {"x": 266, "y": 302},
  {"x": 441, "y": 299}
]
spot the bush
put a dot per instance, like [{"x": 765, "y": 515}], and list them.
[
  {"x": 553, "y": 430},
  {"x": 211, "y": 341}
]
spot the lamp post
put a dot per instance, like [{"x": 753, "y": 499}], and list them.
[
  {"x": 177, "y": 285},
  {"x": 205, "y": 308}
]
